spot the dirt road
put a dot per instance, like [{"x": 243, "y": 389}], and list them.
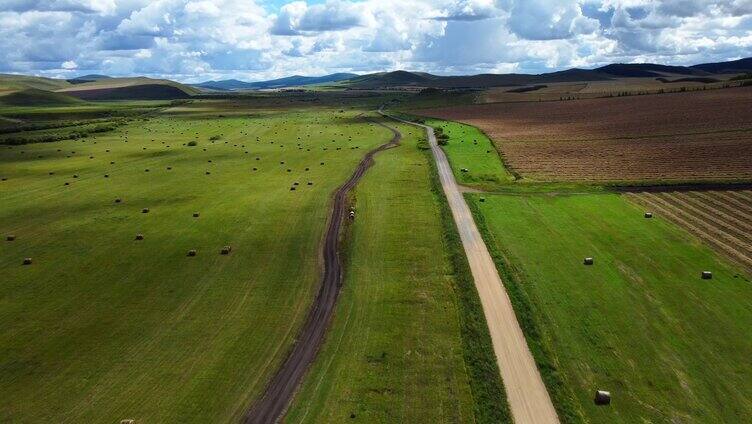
[
  {"x": 281, "y": 388},
  {"x": 526, "y": 393}
]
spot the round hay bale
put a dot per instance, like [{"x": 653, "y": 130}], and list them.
[
  {"x": 118, "y": 200},
  {"x": 289, "y": 170},
  {"x": 292, "y": 188},
  {"x": 107, "y": 175},
  {"x": 75, "y": 175},
  {"x": 145, "y": 210},
  {"x": 255, "y": 169},
  {"x": 192, "y": 252},
  {"x": 322, "y": 163},
  {"x": 112, "y": 162},
  {"x": 225, "y": 250},
  {"x": 27, "y": 261},
  {"x": 602, "y": 397},
  {"x": 648, "y": 214},
  {"x": 10, "y": 237},
  {"x": 482, "y": 199},
  {"x": 296, "y": 183},
  {"x": 52, "y": 173},
  {"x": 146, "y": 170},
  {"x": 139, "y": 236},
  {"x": 66, "y": 183},
  {"x": 208, "y": 173},
  {"x": 195, "y": 214},
  {"x": 706, "y": 275},
  {"x": 310, "y": 183},
  {"x": 588, "y": 261},
  {"x": 169, "y": 168}
]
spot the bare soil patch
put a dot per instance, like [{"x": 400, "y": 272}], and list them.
[{"x": 693, "y": 136}]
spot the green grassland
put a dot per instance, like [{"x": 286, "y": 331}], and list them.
[
  {"x": 640, "y": 323},
  {"x": 469, "y": 148},
  {"x": 102, "y": 327},
  {"x": 400, "y": 349},
  {"x": 670, "y": 346}
]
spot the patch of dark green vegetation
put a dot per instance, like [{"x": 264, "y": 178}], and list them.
[
  {"x": 71, "y": 132},
  {"x": 563, "y": 400},
  {"x": 704, "y": 80},
  {"x": 485, "y": 381},
  {"x": 527, "y": 89},
  {"x": 747, "y": 76}
]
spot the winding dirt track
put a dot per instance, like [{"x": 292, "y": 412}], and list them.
[
  {"x": 526, "y": 393},
  {"x": 281, "y": 388}
]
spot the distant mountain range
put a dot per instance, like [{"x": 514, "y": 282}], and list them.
[
  {"x": 87, "y": 78},
  {"x": 397, "y": 79},
  {"x": 38, "y": 90},
  {"x": 293, "y": 81},
  {"x": 604, "y": 73}
]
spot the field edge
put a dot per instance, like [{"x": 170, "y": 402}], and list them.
[{"x": 544, "y": 357}]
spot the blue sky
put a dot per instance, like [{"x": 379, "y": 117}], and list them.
[{"x": 195, "y": 40}]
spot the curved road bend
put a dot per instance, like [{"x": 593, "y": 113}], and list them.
[
  {"x": 280, "y": 390},
  {"x": 526, "y": 393}
]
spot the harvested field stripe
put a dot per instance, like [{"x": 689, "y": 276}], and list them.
[
  {"x": 734, "y": 252},
  {"x": 726, "y": 210},
  {"x": 709, "y": 222},
  {"x": 744, "y": 196},
  {"x": 682, "y": 201},
  {"x": 742, "y": 203}
]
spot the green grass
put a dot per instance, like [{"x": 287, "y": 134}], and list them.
[
  {"x": 102, "y": 327},
  {"x": 398, "y": 347},
  {"x": 640, "y": 322},
  {"x": 468, "y": 148}
]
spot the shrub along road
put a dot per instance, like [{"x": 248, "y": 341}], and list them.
[
  {"x": 526, "y": 393},
  {"x": 285, "y": 382}
]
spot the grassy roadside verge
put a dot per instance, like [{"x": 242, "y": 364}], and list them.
[
  {"x": 545, "y": 359},
  {"x": 394, "y": 351},
  {"x": 485, "y": 380}
]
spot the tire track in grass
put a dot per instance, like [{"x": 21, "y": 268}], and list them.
[{"x": 279, "y": 392}]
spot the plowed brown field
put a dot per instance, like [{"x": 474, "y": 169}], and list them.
[
  {"x": 723, "y": 219},
  {"x": 693, "y": 136}
]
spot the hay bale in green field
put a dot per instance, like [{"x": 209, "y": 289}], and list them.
[
  {"x": 588, "y": 261},
  {"x": 602, "y": 397},
  {"x": 706, "y": 275}
]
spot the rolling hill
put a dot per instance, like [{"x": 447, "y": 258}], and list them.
[
  {"x": 293, "y": 81},
  {"x": 401, "y": 79},
  {"x": 37, "y": 97},
  {"x": 87, "y": 78},
  {"x": 12, "y": 82},
  {"x": 139, "y": 88}
]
